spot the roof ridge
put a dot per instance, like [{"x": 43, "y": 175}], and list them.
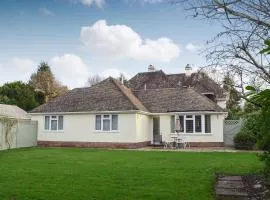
[
  {"x": 164, "y": 88},
  {"x": 120, "y": 87}
]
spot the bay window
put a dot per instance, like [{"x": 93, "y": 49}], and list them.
[
  {"x": 207, "y": 123},
  {"x": 198, "y": 123},
  {"x": 191, "y": 123},
  {"x": 106, "y": 123},
  {"x": 53, "y": 122}
]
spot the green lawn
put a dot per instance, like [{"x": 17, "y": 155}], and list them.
[{"x": 80, "y": 174}]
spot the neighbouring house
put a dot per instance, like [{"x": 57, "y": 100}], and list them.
[
  {"x": 16, "y": 128},
  {"x": 150, "y": 107}
]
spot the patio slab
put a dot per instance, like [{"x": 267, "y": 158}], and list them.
[
  {"x": 231, "y": 187},
  {"x": 230, "y": 178},
  {"x": 230, "y": 184}
]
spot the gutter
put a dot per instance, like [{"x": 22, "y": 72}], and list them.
[{"x": 127, "y": 112}]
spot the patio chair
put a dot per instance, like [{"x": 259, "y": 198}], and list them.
[
  {"x": 168, "y": 141},
  {"x": 181, "y": 141}
]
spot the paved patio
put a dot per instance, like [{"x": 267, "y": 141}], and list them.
[{"x": 197, "y": 149}]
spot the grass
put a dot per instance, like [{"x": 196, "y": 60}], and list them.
[{"x": 80, "y": 174}]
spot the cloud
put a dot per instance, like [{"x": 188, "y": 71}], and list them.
[
  {"x": 154, "y": 1},
  {"x": 149, "y": 1},
  {"x": 194, "y": 47},
  {"x": 46, "y": 12},
  {"x": 17, "y": 69},
  {"x": 120, "y": 41},
  {"x": 98, "y": 3},
  {"x": 70, "y": 70}
]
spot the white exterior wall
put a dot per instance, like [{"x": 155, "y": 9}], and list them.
[
  {"x": 133, "y": 128},
  {"x": 216, "y": 134},
  {"x": 144, "y": 128},
  {"x": 81, "y": 128}
]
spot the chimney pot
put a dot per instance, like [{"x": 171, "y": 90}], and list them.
[
  {"x": 188, "y": 70},
  {"x": 151, "y": 68}
]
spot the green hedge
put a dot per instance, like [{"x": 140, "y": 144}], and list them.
[
  {"x": 250, "y": 131},
  {"x": 244, "y": 140}
]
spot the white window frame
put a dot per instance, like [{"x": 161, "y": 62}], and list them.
[
  {"x": 50, "y": 123},
  {"x": 194, "y": 123},
  {"x": 109, "y": 118}
]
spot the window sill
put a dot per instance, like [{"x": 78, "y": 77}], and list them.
[
  {"x": 97, "y": 132},
  {"x": 52, "y": 131},
  {"x": 194, "y": 134}
]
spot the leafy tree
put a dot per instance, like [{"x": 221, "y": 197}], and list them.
[
  {"x": 232, "y": 105},
  {"x": 261, "y": 99},
  {"x": 43, "y": 81},
  {"x": 20, "y": 94}
]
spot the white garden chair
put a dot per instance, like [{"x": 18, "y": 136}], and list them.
[
  {"x": 168, "y": 141},
  {"x": 181, "y": 141}
]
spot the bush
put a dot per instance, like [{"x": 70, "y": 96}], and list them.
[
  {"x": 250, "y": 131},
  {"x": 244, "y": 140},
  {"x": 253, "y": 123}
]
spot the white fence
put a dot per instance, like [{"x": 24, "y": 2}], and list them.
[
  {"x": 230, "y": 129},
  {"x": 23, "y": 134}
]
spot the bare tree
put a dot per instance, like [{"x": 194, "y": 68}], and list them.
[
  {"x": 92, "y": 80},
  {"x": 237, "y": 48}
]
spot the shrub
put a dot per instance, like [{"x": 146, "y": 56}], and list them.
[
  {"x": 250, "y": 131},
  {"x": 253, "y": 123},
  {"x": 244, "y": 140}
]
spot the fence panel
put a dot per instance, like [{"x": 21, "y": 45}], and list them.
[
  {"x": 1, "y": 136},
  {"x": 26, "y": 134},
  {"x": 230, "y": 129}
]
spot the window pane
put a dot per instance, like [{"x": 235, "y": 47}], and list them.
[
  {"x": 198, "y": 123},
  {"x": 53, "y": 125},
  {"x": 106, "y": 125},
  {"x": 172, "y": 124},
  {"x": 47, "y": 123},
  {"x": 60, "y": 123},
  {"x": 189, "y": 116},
  {"x": 106, "y": 116},
  {"x": 189, "y": 126},
  {"x": 181, "y": 119},
  {"x": 98, "y": 122},
  {"x": 207, "y": 123},
  {"x": 114, "y": 122}
]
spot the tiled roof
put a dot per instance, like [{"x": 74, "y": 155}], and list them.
[
  {"x": 108, "y": 95},
  {"x": 175, "y": 100},
  {"x": 153, "y": 92},
  {"x": 158, "y": 79}
]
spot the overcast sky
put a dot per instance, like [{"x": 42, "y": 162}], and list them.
[{"x": 79, "y": 38}]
